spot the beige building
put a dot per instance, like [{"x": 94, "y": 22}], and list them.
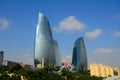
[
  {"x": 117, "y": 70},
  {"x": 41, "y": 65},
  {"x": 101, "y": 70}
]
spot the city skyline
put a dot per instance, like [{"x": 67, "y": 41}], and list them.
[{"x": 97, "y": 21}]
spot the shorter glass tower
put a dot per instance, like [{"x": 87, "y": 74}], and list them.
[
  {"x": 79, "y": 59},
  {"x": 57, "y": 54}
]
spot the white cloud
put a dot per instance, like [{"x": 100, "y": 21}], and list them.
[
  {"x": 103, "y": 51},
  {"x": 67, "y": 59},
  {"x": 70, "y": 24},
  {"x": 4, "y": 24},
  {"x": 117, "y": 34},
  {"x": 94, "y": 34}
]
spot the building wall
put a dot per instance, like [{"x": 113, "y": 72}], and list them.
[
  {"x": 117, "y": 71},
  {"x": 9, "y": 63},
  {"x": 57, "y": 54},
  {"x": 1, "y": 57},
  {"x": 79, "y": 58},
  {"x": 45, "y": 46},
  {"x": 101, "y": 70},
  {"x": 44, "y": 42}
]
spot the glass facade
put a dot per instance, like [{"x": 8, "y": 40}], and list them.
[
  {"x": 79, "y": 59},
  {"x": 57, "y": 54},
  {"x": 44, "y": 43}
]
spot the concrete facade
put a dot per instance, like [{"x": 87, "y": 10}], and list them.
[
  {"x": 100, "y": 70},
  {"x": 9, "y": 63}
]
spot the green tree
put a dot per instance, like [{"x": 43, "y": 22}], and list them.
[
  {"x": 15, "y": 68},
  {"x": 3, "y": 69}
]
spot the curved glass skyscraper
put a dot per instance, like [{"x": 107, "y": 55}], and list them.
[
  {"x": 57, "y": 54},
  {"x": 79, "y": 58},
  {"x": 44, "y": 44}
]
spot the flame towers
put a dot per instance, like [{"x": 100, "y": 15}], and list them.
[
  {"x": 79, "y": 59},
  {"x": 45, "y": 47}
]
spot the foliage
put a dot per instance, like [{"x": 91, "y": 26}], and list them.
[
  {"x": 43, "y": 74},
  {"x": 5, "y": 76},
  {"x": 15, "y": 68},
  {"x": 3, "y": 69}
]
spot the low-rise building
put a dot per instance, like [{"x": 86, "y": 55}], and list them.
[
  {"x": 101, "y": 70},
  {"x": 117, "y": 71},
  {"x": 9, "y": 63}
]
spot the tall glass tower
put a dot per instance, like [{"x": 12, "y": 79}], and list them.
[
  {"x": 44, "y": 44},
  {"x": 79, "y": 58}
]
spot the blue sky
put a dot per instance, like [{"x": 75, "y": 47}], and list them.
[{"x": 98, "y": 21}]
